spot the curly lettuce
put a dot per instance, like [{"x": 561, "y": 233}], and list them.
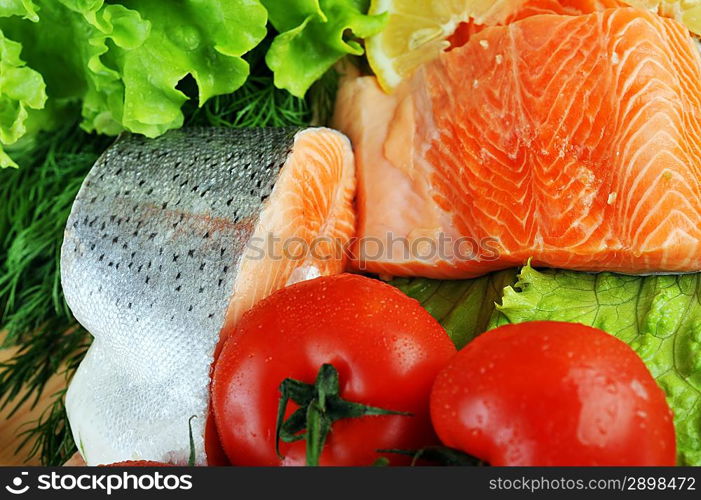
[
  {"x": 22, "y": 89},
  {"x": 121, "y": 63},
  {"x": 124, "y": 64},
  {"x": 314, "y": 34},
  {"x": 23, "y": 8},
  {"x": 658, "y": 316}
]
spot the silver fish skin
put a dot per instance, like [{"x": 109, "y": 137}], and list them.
[{"x": 149, "y": 261}]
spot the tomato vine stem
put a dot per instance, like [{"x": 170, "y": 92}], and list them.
[{"x": 320, "y": 405}]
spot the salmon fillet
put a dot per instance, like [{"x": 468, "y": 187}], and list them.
[
  {"x": 507, "y": 11},
  {"x": 571, "y": 140},
  {"x": 530, "y": 8}
]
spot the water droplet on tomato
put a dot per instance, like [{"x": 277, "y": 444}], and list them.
[{"x": 639, "y": 389}]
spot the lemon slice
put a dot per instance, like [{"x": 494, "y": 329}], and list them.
[
  {"x": 416, "y": 31},
  {"x": 688, "y": 12}
]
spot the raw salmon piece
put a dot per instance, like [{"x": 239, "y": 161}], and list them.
[
  {"x": 521, "y": 9},
  {"x": 168, "y": 242},
  {"x": 530, "y": 8},
  {"x": 574, "y": 140}
]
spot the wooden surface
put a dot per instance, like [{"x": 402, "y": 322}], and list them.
[{"x": 10, "y": 428}]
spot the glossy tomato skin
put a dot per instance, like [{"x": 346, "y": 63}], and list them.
[
  {"x": 138, "y": 463},
  {"x": 212, "y": 444},
  {"x": 550, "y": 393},
  {"x": 385, "y": 346}
]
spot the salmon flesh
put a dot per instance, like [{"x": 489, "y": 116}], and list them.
[{"x": 571, "y": 140}]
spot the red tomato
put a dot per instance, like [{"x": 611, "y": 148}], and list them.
[
  {"x": 386, "y": 348},
  {"x": 551, "y": 393},
  {"x": 138, "y": 463},
  {"x": 212, "y": 445}
]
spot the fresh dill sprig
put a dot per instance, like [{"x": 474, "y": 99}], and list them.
[
  {"x": 33, "y": 314},
  {"x": 39, "y": 358},
  {"x": 37, "y": 199},
  {"x": 36, "y": 202},
  {"x": 49, "y": 436},
  {"x": 256, "y": 104}
]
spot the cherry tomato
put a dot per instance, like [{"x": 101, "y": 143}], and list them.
[
  {"x": 385, "y": 347},
  {"x": 551, "y": 393}
]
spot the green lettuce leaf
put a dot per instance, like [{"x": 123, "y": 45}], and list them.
[
  {"x": 658, "y": 316},
  {"x": 136, "y": 53},
  {"x": 314, "y": 34},
  {"x": 464, "y": 307},
  {"x": 21, "y": 90},
  {"x": 121, "y": 62},
  {"x": 23, "y": 8}
]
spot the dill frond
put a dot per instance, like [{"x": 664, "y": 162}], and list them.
[
  {"x": 33, "y": 314},
  {"x": 36, "y": 202},
  {"x": 258, "y": 103},
  {"x": 49, "y": 436}
]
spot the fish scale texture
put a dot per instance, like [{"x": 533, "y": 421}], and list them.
[{"x": 149, "y": 263}]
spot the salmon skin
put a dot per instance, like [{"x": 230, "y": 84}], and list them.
[
  {"x": 157, "y": 264},
  {"x": 573, "y": 140}
]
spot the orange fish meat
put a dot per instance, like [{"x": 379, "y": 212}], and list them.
[{"x": 572, "y": 140}]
